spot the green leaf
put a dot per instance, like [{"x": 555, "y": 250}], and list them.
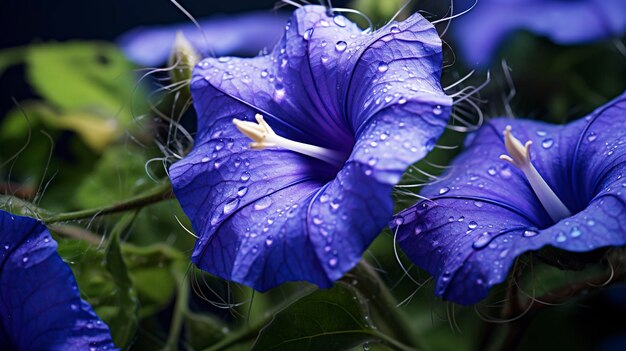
[
  {"x": 203, "y": 330},
  {"x": 83, "y": 75},
  {"x": 118, "y": 174},
  {"x": 333, "y": 319},
  {"x": 124, "y": 322}
]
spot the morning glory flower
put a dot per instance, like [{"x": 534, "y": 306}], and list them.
[
  {"x": 519, "y": 186},
  {"x": 480, "y": 32},
  {"x": 247, "y": 34},
  {"x": 40, "y": 305},
  {"x": 297, "y": 151}
]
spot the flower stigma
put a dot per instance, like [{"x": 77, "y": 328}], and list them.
[
  {"x": 519, "y": 156},
  {"x": 263, "y": 136}
]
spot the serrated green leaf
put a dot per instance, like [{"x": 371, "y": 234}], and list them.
[{"x": 333, "y": 319}]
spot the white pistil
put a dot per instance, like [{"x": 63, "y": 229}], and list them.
[
  {"x": 263, "y": 136},
  {"x": 520, "y": 158}
]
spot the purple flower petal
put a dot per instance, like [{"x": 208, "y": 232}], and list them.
[
  {"x": 246, "y": 34},
  {"x": 268, "y": 216},
  {"x": 40, "y": 305},
  {"x": 484, "y": 213},
  {"x": 480, "y": 32}
]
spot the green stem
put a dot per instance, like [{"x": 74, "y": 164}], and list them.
[
  {"x": 181, "y": 308},
  {"x": 159, "y": 193},
  {"x": 386, "y": 306}
]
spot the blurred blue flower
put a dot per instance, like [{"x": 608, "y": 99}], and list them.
[
  {"x": 570, "y": 194},
  {"x": 341, "y": 114},
  {"x": 245, "y": 34},
  {"x": 480, "y": 32},
  {"x": 40, "y": 305}
]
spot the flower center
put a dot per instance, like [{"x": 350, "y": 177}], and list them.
[
  {"x": 263, "y": 136},
  {"x": 519, "y": 156}
]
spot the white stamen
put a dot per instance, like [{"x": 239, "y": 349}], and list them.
[
  {"x": 263, "y": 136},
  {"x": 520, "y": 158}
]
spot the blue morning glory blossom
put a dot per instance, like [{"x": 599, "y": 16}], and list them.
[
  {"x": 247, "y": 33},
  {"x": 519, "y": 186},
  {"x": 297, "y": 151},
  {"x": 480, "y": 32},
  {"x": 40, "y": 305}
]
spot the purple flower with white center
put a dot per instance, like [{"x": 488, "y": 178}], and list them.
[
  {"x": 480, "y": 32},
  {"x": 534, "y": 185},
  {"x": 335, "y": 115},
  {"x": 40, "y": 305},
  {"x": 242, "y": 34}
]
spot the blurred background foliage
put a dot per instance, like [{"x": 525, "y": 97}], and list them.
[{"x": 79, "y": 129}]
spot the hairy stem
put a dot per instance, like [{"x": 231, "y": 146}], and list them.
[{"x": 157, "y": 194}]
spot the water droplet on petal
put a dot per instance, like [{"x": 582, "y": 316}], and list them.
[
  {"x": 264, "y": 73},
  {"x": 231, "y": 206},
  {"x": 223, "y": 59},
  {"x": 591, "y": 222},
  {"x": 443, "y": 190},
  {"x": 245, "y": 176},
  {"x": 395, "y": 29},
  {"x": 472, "y": 225},
  {"x": 341, "y": 46},
  {"x": 561, "y": 237},
  {"x": 24, "y": 259},
  {"x": 478, "y": 204},
  {"x": 383, "y": 67},
  {"x": 491, "y": 171},
  {"x": 482, "y": 241},
  {"x": 547, "y": 143},
  {"x": 340, "y": 21},
  {"x": 263, "y": 203},
  {"x": 530, "y": 233},
  {"x": 437, "y": 110},
  {"x": 242, "y": 191},
  {"x": 307, "y": 34},
  {"x": 575, "y": 232},
  {"x": 317, "y": 220},
  {"x": 269, "y": 240},
  {"x": 332, "y": 262},
  {"x": 206, "y": 159},
  {"x": 592, "y": 136}
]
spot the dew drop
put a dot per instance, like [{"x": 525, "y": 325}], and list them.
[
  {"x": 575, "y": 232},
  {"x": 472, "y": 225},
  {"x": 547, "y": 143},
  {"x": 530, "y": 233},
  {"x": 482, "y": 241},
  {"x": 307, "y": 34},
  {"x": 478, "y": 204},
  {"x": 264, "y": 73},
  {"x": 24, "y": 259},
  {"x": 491, "y": 171},
  {"x": 332, "y": 262},
  {"x": 317, "y": 220},
  {"x": 263, "y": 203},
  {"x": 206, "y": 159},
  {"x": 443, "y": 190},
  {"x": 541, "y": 133},
  {"x": 561, "y": 238},
  {"x": 242, "y": 191},
  {"x": 341, "y": 46},
  {"x": 437, "y": 110},
  {"x": 340, "y": 21},
  {"x": 395, "y": 29},
  {"x": 231, "y": 206},
  {"x": 245, "y": 176},
  {"x": 269, "y": 240},
  {"x": 6, "y": 247},
  {"x": 592, "y": 136},
  {"x": 383, "y": 67},
  {"x": 223, "y": 59}
]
